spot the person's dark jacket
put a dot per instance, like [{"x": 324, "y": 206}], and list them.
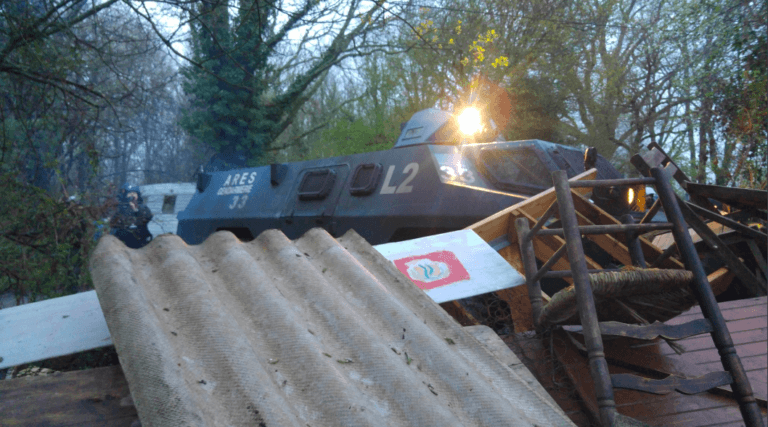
[{"x": 131, "y": 226}]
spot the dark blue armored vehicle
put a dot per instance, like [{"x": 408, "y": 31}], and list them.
[{"x": 434, "y": 180}]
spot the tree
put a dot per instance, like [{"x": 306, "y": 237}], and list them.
[
  {"x": 740, "y": 104},
  {"x": 454, "y": 45},
  {"x": 75, "y": 76},
  {"x": 254, "y": 64}
]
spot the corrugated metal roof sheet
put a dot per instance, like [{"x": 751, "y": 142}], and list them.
[{"x": 314, "y": 332}]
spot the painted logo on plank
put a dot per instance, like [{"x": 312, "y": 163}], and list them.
[{"x": 433, "y": 270}]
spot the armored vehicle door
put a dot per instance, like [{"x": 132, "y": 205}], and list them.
[{"x": 313, "y": 199}]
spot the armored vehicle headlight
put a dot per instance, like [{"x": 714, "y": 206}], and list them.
[
  {"x": 636, "y": 198},
  {"x": 470, "y": 121}
]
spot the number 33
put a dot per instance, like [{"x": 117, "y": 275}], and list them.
[{"x": 238, "y": 202}]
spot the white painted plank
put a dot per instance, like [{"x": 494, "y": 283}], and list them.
[
  {"x": 52, "y": 328},
  {"x": 487, "y": 270}
]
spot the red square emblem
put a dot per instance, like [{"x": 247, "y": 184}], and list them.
[{"x": 432, "y": 270}]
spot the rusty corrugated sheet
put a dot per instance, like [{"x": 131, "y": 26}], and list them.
[{"x": 313, "y": 332}]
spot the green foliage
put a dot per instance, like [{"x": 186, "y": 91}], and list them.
[
  {"x": 358, "y": 136},
  {"x": 228, "y": 87},
  {"x": 44, "y": 242},
  {"x": 741, "y": 110},
  {"x": 537, "y": 108},
  {"x": 247, "y": 81}
]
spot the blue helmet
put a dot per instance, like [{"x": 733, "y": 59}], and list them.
[{"x": 128, "y": 188}]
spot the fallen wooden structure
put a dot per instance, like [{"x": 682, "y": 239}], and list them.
[
  {"x": 559, "y": 363},
  {"x": 579, "y": 218}
]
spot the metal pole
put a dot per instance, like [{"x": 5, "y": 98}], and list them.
[
  {"x": 703, "y": 290},
  {"x": 587, "y": 313}
]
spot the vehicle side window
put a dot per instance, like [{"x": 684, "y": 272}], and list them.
[{"x": 516, "y": 167}]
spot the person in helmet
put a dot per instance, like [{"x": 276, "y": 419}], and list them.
[{"x": 129, "y": 224}]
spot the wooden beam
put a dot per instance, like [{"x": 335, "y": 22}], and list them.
[
  {"x": 52, "y": 328},
  {"x": 720, "y": 280},
  {"x": 741, "y": 197},
  {"x": 90, "y": 398},
  {"x": 601, "y": 217},
  {"x": 502, "y": 224},
  {"x": 747, "y": 231},
  {"x": 607, "y": 242},
  {"x": 755, "y": 285},
  {"x": 498, "y": 224}
]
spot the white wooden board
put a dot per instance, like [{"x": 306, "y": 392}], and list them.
[
  {"x": 452, "y": 265},
  {"x": 52, "y": 328}
]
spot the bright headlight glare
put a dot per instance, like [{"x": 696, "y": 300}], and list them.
[
  {"x": 630, "y": 196},
  {"x": 469, "y": 121}
]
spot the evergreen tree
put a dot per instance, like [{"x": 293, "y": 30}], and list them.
[{"x": 243, "y": 91}]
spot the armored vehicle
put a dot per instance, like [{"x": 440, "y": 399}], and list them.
[{"x": 435, "y": 179}]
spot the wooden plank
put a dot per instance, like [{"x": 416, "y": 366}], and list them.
[
  {"x": 752, "y": 363},
  {"x": 657, "y": 157},
  {"x": 759, "y": 258},
  {"x": 659, "y": 360},
  {"x": 651, "y": 358},
  {"x": 52, "y": 328},
  {"x": 502, "y": 224},
  {"x": 704, "y": 342},
  {"x": 607, "y": 242},
  {"x": 90, "y": 398},
  {"x": 700, "y": 418},
  {"x": 742, "y": 197},
  {"x": 517, "y": 297},
  {"x": 499, "y": 224},
  {"x": 665, "y": 239},
  {"x": 601, "y": 217},
  {"x": 711, "y": 355},
  {"x": 756, "y": 286},
  {"x": 720, "y": 280},
  {"x": 671, "y": 409},
  {"x": 737, "y": 423},
  {"x": 737, "y": 304},
  {"x": 727, "y": 222},
  {"x": 750, "y": 312},
  {"x": 672, "y": 405},
  {"x": 729, "y": 305},
  {"x": 546, "y": 246}
]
